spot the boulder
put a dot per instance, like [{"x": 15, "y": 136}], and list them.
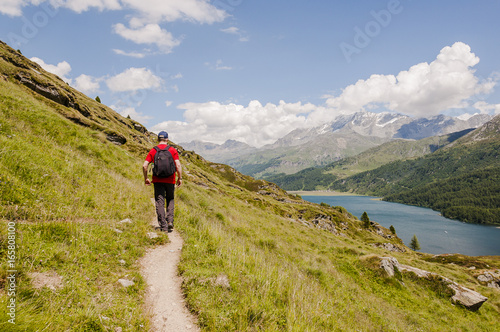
[{"x": 470, "y": 299}]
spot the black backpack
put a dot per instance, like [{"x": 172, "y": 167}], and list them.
[{"x": 164, "y": 164}]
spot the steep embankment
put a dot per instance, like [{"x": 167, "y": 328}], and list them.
[{"x": 255, "y": 258}]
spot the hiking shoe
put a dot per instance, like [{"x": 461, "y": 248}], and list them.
[{"x": 170, "y": 227}]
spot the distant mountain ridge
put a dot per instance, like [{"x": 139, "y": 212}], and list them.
[{"x": 347, "y": 135}]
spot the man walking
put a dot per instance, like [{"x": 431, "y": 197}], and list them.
[{"x": 164, "y": 186}]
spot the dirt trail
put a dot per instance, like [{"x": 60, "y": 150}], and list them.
[{"x": 164, "y": 296}]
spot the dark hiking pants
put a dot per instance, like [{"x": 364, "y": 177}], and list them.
[{"x": 164, "y": 197}]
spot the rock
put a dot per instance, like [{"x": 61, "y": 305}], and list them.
[
  {"x": 126, "y": 221},
  {"x": 389, "y": 246},
  {"x": 388, "y": 264},
  {"x": 122, "y": 262},
  {"x": 152, "y": 235},
  {"x": 126, "y": 283},
  {"x": 116, "y": 139},
  {"x": 222, "y": 281},
  {"x": 470, "y": 299},
  {"x": 492, "y": 279},
  {"x": 51, "y": 280}
]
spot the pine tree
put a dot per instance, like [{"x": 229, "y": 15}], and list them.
[
  {"x": 392, "y": 229},
  {"x": 98, "y": 99},
  {"x": 365, "y": 219},
  {"x": 414, "y": 244}
]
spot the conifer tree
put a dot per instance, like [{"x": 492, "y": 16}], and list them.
[
  {"x": 392, "y": 229},
  {"x": 365, "y": 219},
  {"x": 414, "y": 244}
]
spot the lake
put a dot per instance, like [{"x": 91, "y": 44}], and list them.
[{"x": 436, "y": 234}]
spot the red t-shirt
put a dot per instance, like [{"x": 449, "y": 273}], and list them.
[{"x": 151, "y": 158}]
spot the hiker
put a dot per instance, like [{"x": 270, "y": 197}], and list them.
[{"x": 164, "y": 186}]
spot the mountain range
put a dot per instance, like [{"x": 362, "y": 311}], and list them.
[{"x": 348, "y": 135}]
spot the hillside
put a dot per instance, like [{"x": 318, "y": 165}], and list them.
[
  {"x": 255, "y": 257},
  {"x": 324, "y": 177}
]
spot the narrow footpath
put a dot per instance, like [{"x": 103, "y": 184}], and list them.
[{"x": 164, "y": 296}]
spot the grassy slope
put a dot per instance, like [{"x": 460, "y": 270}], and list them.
[{"x": 67, "y": 188}]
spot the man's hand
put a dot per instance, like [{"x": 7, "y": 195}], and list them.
[
  {"x": 147, "y": 182},
  {"x": 179, "y": 182}
]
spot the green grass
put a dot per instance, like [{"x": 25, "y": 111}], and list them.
[{"x": 67, "y": 189}]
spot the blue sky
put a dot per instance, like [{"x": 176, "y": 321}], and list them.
[{"x": 255, "y": 70}]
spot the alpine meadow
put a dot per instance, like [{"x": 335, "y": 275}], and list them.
[{"x": 76, "y": 219}]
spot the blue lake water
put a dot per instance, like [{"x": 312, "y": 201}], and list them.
[{"x": 436, "y": 234}]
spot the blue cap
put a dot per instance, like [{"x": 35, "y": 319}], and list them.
[{"x": 162, "y": 135}]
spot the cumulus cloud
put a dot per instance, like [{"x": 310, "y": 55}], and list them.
[
  {"x": 144, "y": 19},
  {"x": 62, "y": 69},
  {"x": 134, "y": 79},
  {"x": 132, "y": 113},
  {"x": 199, "y": 11},
  {"x": 80, "y": 6},
  {"x": 86, "y": 84},
  {"x": 423, "y": 90},
  {"x": 148, "y": 34},
  {"x": 255, "y": 124},
  {"x": 486, "y": 108},
  {"x": 12, "y": 7}
]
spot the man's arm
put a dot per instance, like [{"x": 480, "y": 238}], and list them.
[
  {"x": 178, "y": 170},
  {"x": 145, "y": 172}
]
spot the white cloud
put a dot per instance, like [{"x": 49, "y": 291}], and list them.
[
  {"x": 424, "y": 90},
  {"x": 12, "y": 7},
  {"x": 61, "y": 69},
  {"x": 255, "y": 124},
  {"x": 217, "y": 66},
  {"x": 236, "y": 31},
  {"x": 134, "y": 79},
  {"x": 131, "y": 111},
  {"x": 130, "y": 54},
  {"x": 199, "y": 11},
  {"x": 148, "y": 34},
  {"x": 168, "y": 103},
  {"x": 86, "y": 84},
  {"x": 231, "y": 30},
  {"x": 80, "y": 6},
  {"x": 486, "y": 108}
]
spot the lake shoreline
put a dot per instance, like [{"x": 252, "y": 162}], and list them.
[{"x": 322, "y": 193}]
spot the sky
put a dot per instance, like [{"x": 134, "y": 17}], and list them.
[{"x": 254, "y": 70}]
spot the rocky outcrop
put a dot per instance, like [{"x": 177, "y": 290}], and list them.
[
  {"x": 470, "y": 299},
  {"x": 389, "y": 246},
  {"x": 51, "y": 92},
  {"x": 490, "y": 278}
]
